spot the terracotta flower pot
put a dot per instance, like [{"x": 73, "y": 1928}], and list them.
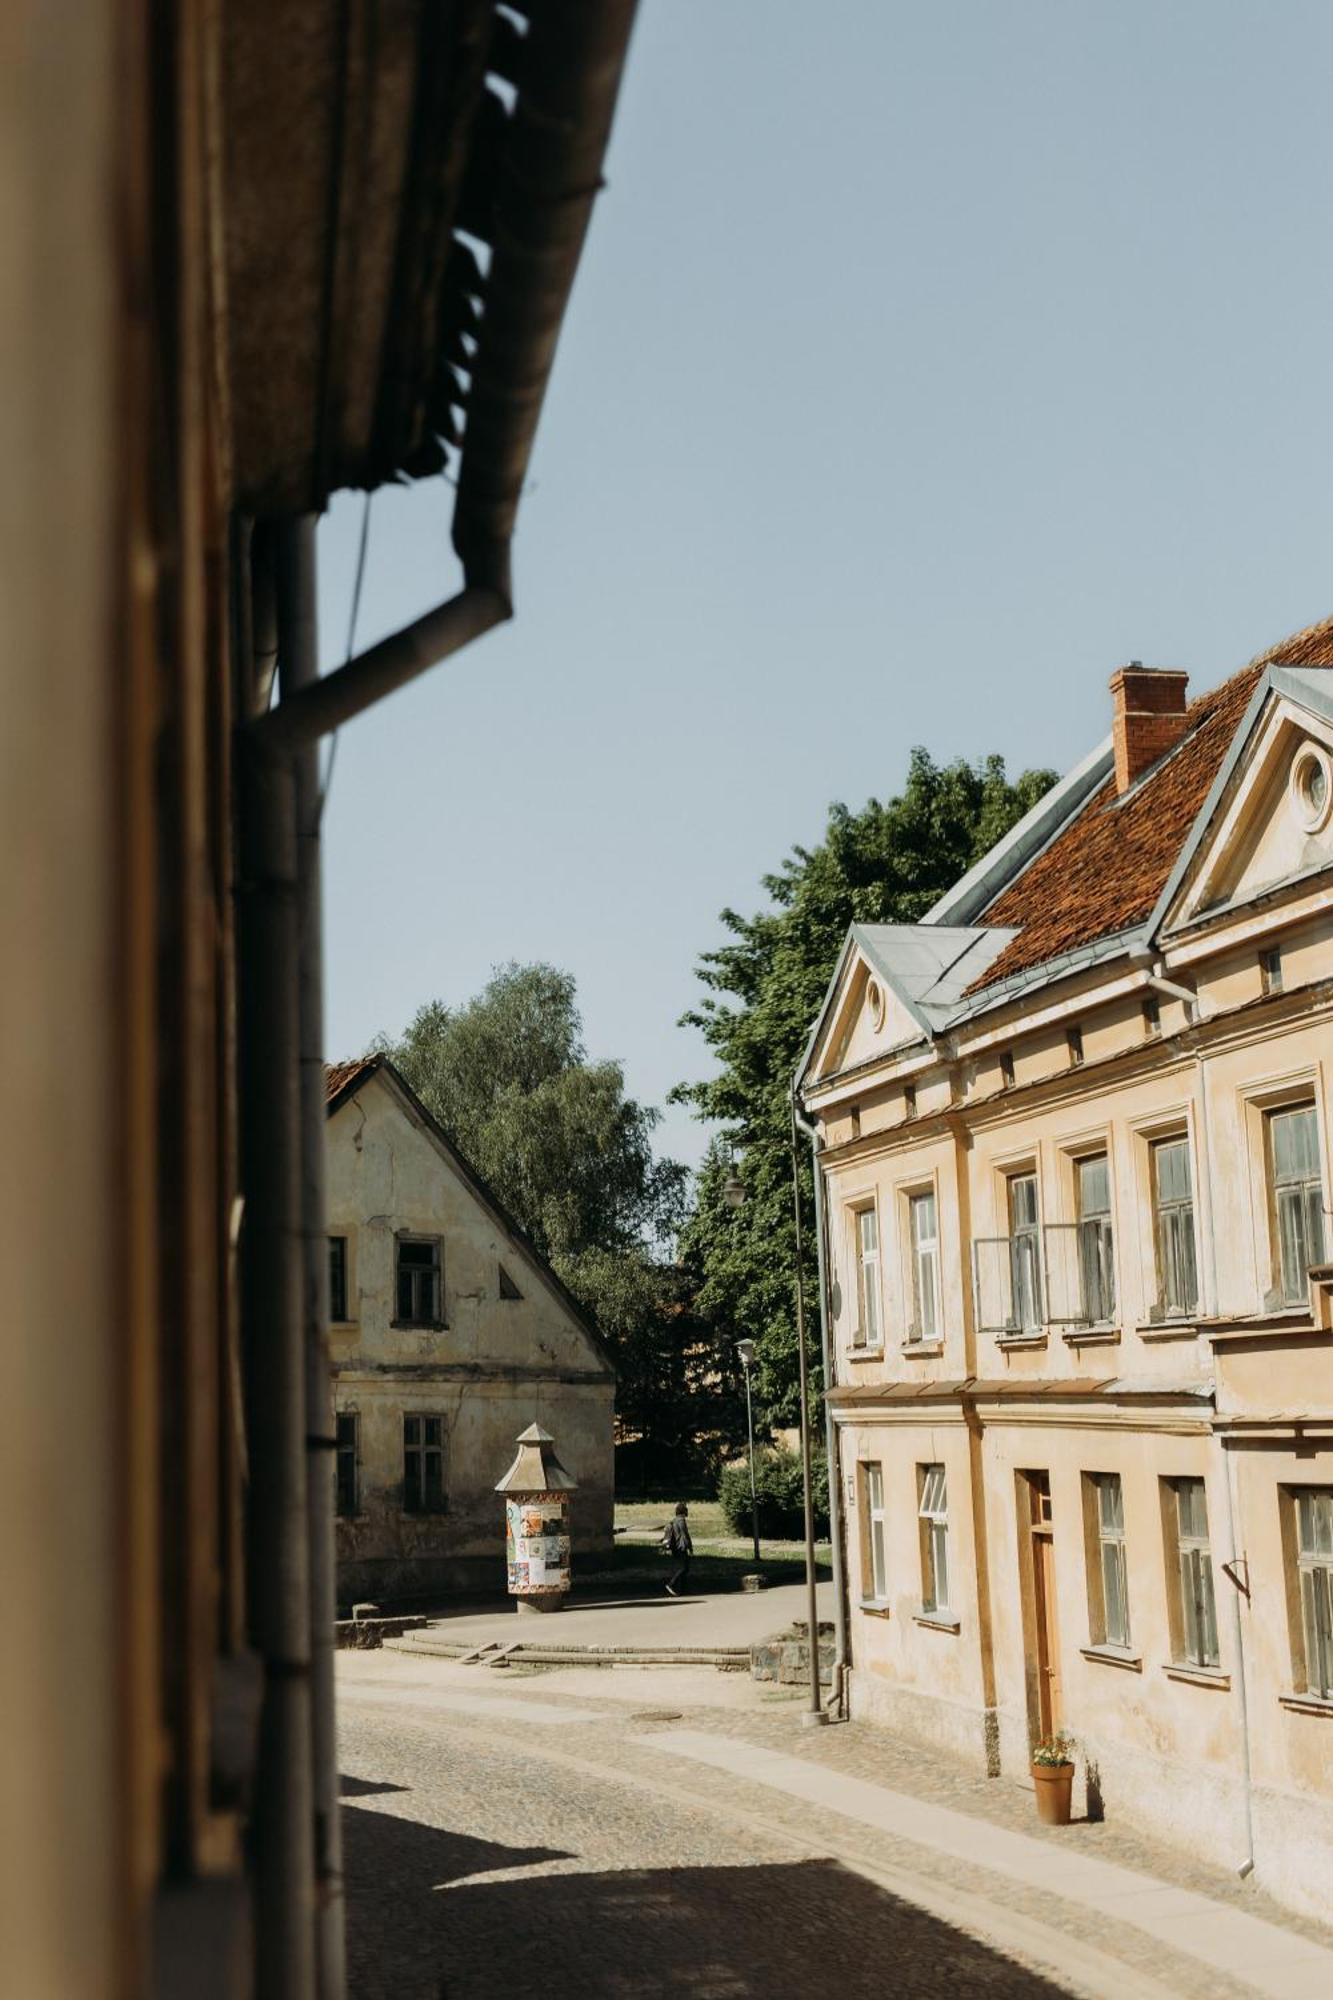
[{"x": 1055, "y": 1785}]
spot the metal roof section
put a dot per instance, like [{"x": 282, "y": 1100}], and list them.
[
  {"x": 1024, "y": 841},
  {"x": 930, "y": 966}
]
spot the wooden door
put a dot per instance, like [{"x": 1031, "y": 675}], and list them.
[{"x": 1046, "y": 1627}]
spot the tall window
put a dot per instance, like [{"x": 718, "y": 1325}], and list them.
[
  {"x": 1108, "y": 1580},
  {"x": 872, "y": 1493},
  {"x": 1024, "y": 1252},
  {"x": 1096, "y": 1250},
  {"x": 344, "y": 1491},
  {"x": 337, "y": 1278},
  {"x": 934, "y": 1516},
  {"x": 1173, "y": 1228},
  {"x": 418, "y": 1281},
  {"x": 1314, "y": 1556},
  {"x": 867, "y": 1278},
  {"x": 925, "y": 1269},
  {"x": 1297, "y": 1200},
  {"x": 1197, "y": 1633},
  {"x": 423, "y": 1465}
]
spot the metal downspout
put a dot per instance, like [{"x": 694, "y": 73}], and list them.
[
  {"x": 832, "y": 1444},
  {"x": 277, "y": 1546},
  {"x": 816, "y": 1711},
  {"x": 1235, "y": 1568},
  {"x": 298, "y": 667}
]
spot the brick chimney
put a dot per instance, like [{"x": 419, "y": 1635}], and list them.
[{"x": 1149, "y": 718}]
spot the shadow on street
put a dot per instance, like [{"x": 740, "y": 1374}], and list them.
[{"x": 418, "y": 1930}]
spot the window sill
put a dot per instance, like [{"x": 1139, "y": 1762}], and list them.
[
  {"x": 1018, "y": 1341},
  {"x": 1094, "y": 1336},
  {"x": 1113, "y": 1656},
  {"x": 874, "y": 1607},
  {"x": 1168, "y": 1329},
  {"x": 1206, "y": 1677},
  {"x": 937, "y": 1621},
  {"x": 1307, "y": 1704},
  {"x": 419, "y": 1325},
  {"x": 922, "y": 1349},
  {"x": 855, "y": 1354}
]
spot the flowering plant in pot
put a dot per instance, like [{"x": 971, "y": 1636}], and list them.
[{"x": 1053, "y": 1776}]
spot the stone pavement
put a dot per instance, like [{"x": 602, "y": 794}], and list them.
[
  {"x": 651, "y": 1832},
  {"x": 697, "y": 1622}
]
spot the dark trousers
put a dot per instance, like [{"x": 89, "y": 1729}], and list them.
[{"x": 682, "y": 1574}]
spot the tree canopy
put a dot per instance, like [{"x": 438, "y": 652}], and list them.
[
  {"x": 571, "y": 1157},
  {"x": 885, "y": 864}
]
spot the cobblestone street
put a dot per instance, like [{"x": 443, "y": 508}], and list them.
[{"x": 615, "y": 1832}]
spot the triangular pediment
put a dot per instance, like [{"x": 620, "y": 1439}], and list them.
[
  {"x": 896, "y": 987},
  {"x": 863, "y": 1017},
  {"x": 1270, "y": 820}
]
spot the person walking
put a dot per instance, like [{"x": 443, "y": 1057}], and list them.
[{"x": 677, "y": 1543}]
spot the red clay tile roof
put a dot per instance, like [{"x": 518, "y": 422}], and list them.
[
  {"x": 1105, "y": 872},
  {"x": 337, "y": 1076}
]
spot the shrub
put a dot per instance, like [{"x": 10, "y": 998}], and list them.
[{"x": 778, "y": 1490}]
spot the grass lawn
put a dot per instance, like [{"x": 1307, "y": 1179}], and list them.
[
  {"x": 644, "y": 1517},
  {"x": 716, "y": 1565},
  {"x": 721, "y": 1559}
]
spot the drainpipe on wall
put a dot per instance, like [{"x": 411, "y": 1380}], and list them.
[
  {"x": 1235, "y": 1568},
  {"x": 962, "y": 1147},
  {"x": 277, "y": 1543},
  {"x": 831, "y": 1441},
  {"x": 298, "y": 667}
]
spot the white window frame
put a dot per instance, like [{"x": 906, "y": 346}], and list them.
[
  {"x": 875, "y": 1552},
  {"x": 933, "y": 1514},
  {"x": 1196, "y": 1597},
  {"x": 868, "y": 1332},
  {"x": 1096, "y": 1243},
  {"x": 1177, "y": 1215},
  {"x": 1290, "y": 1287},
  {"x": 926, "y": 1269},
  {"x": 1108, "y": 1587},
  {"x": 1313, "y": 1510}
]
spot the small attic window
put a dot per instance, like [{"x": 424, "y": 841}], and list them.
[
  {"x": 1311, "y": 787},
  {"x": 1270, "y": 970},
  {"x": 909, "y": 1100},
  {"x": 875, "y": 1003},
  {"x": 508, "y": 1289},
  {"x": 1007, "y": 1070},
  {"x": 1074, "y": 1040}
]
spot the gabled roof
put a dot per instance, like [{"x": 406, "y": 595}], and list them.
[
  {"x": 1086, "y": 875},
  {"x": 1105, "y": 872},
  {"x": 343, "y": 1080}
]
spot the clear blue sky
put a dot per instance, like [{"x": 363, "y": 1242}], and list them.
[{"x": 926, "y": 362}]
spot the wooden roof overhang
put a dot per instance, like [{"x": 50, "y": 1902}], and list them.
[{"x": 405, "y": 187}]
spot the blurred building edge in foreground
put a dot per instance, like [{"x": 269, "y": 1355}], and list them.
[{"x": 250, "y": 253}]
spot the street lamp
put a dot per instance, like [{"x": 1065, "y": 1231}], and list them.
[
  {"x": 733, "y": 1189},
  {"x": 745, "y": 1348}
]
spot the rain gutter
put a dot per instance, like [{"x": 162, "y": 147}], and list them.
[{"x": 548, "y": 175}]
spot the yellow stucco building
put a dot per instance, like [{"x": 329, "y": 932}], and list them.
[
  {"x": 449, "y": 1334},
  {"x": 1074, "y": 1138}
]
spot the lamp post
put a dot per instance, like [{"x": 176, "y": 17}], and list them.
[{"x": 745, "y": 1348}]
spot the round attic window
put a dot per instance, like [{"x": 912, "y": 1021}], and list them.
[
  {"x": 1311, "y": 787},
  {"x": 875, "y": 1002}
]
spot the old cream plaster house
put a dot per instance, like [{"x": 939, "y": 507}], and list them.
[
  {"x": 449, "y": 1335},
  {"x": 1074, "y": 1135}
]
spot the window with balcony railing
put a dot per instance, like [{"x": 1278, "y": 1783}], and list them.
[{"x": 1008, "y": 1269}]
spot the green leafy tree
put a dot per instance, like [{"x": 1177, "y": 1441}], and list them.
[
  {"x": 564, "y": 1148},
  {"x": 764, "y": 987}
]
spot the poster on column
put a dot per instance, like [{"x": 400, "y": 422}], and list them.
[{"x": 537, "y": 1542}]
